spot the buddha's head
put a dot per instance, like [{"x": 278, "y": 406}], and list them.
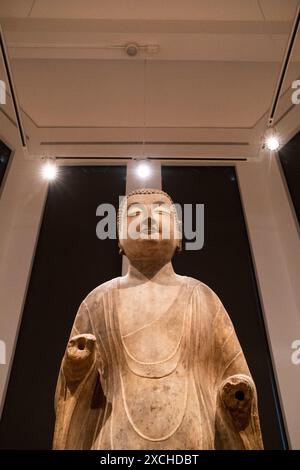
[{"x": 148, "y": 225}]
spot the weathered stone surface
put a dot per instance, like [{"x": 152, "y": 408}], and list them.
[{"x": 153, "y": 361}]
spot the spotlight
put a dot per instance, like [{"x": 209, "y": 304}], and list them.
[
  {"x": 143, "y": 170},
  {"x": 49, "y": 170},
  {"x": 271, "y": 139},
  {"x": 272, "y": 143}
]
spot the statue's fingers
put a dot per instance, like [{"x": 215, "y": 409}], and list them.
[
  {"x": 89, "y": 336},
  {"x": 90, "y": 343},
  {"x": 71, "y": 343},
  {"x": 72, "y": 350}
]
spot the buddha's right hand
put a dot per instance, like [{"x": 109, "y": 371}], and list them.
[{"x": 79, "y": 357}]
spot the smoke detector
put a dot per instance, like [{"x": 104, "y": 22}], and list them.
[{"x": 131, "y": 49}]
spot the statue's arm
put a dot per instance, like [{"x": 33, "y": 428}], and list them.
[
  {"x": 80, "y": 353},
  {"x": 78, "y": 380},
  {"x": 237, "y": 408},
  {"x": 79, "y": 357}
]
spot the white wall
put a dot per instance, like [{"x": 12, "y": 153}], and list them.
[
  {"x": 21, "y": 206},
  {"x": 276, "y": 252}
]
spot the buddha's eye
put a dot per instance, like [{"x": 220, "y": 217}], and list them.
[
  {"x": 134, "y": 210},
  {"x": 162, "y": 209}
]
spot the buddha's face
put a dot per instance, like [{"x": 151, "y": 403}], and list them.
[{"x": 148, "y": 227}]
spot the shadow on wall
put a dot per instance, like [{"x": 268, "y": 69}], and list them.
[{"x": 4, "y": 159}]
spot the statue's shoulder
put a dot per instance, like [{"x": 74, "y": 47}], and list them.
[
  {"x": 207, "y": 291},
  {"x": 96, "y": 294},
  {"x": 208, "y": 297}
]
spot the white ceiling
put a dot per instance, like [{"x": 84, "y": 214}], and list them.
[{"x": 211, "y": 81}]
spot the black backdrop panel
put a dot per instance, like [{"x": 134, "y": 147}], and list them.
[
  {"x": 225, "y": 265},
  {"x": 289, "y": 157},
  {"x": 69, "y": 262},
  {"x": 4, "y": 158}
]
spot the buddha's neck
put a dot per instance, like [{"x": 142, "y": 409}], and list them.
[{"x": 141, "y": 271}]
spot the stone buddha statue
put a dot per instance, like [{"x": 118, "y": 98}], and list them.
[{"x": 153, "y": 361}]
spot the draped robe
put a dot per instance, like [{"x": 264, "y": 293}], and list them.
[{"x": 178, "y": 402}]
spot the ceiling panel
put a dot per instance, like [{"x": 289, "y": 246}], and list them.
[
  {"x": 158, "y": 9},
  {"x": 278, "y": 10},
  {"x": 15, "y": 8},
  {"x": 209, "y": 94},
  {"x": 111, "y": 93},
  {"x": 80, "y": 93}
]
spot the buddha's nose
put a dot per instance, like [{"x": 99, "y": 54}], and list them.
[{"x": 149, "y": 223}]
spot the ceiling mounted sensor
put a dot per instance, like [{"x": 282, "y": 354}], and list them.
[{"x": 132, "y": 49}]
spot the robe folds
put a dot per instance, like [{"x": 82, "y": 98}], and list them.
[{"x": 201, "y": 396}]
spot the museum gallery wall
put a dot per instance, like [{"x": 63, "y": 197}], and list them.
[{"x": 70, "y": 261}]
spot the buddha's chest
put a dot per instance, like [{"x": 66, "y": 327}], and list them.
[{"x": 151, "y": 324}]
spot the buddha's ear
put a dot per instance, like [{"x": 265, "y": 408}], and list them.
[
  {"x": 178, "y": 236},
  {"x": 121, "y": 251},
  {"x": 179, "y": 247}
]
